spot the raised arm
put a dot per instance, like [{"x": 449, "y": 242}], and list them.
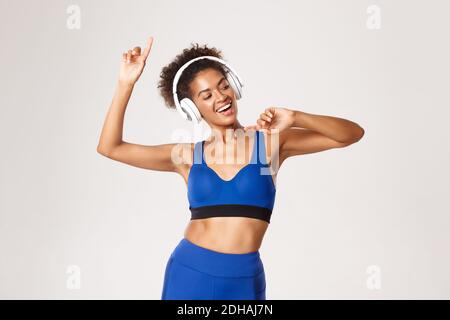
[{"x": 111, "y": 144}]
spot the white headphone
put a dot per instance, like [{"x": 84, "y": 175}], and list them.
[{"x": 186, "y": 107}]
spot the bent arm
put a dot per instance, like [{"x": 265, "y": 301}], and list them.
[
  {"x": 314, "y": 133},
  {"x": 111, "y": 144}
]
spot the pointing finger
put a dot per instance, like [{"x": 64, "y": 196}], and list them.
[{"x": 147, "y": 48}]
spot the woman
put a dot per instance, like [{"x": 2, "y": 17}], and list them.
[{"x": 231, "y": 204}]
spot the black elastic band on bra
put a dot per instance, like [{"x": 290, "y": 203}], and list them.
[{"x": 231, "y": 210}]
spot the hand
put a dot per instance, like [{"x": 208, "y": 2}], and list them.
[
  {"x": 274, "y": 118},
  {"x": 133, "y": 63}
]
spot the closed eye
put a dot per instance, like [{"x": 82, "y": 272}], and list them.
[{"x": 224, "y": 88}]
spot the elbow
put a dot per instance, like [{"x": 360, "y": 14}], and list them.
[
  {"x": 101, "y": 150},
  {"x": 359, "y": 133},
  {"x": 107, "y": 150},
  {"x": 355, "y": 138}
]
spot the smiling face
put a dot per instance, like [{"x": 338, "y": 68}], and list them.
[{"x": 210, "y": 91}]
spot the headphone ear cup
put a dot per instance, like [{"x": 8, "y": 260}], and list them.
[
  {"x": 190, "y": 110},
  {"x": 235, "y": 84}
]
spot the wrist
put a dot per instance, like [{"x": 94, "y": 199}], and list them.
[
  {"x": 298, "y": 118},
  {"x": 125, "y": 84},
  {"x": 293, "y": 117}
]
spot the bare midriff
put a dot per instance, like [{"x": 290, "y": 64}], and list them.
[{"x": 227, "y": 234}]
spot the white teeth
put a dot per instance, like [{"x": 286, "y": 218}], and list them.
[{"x": 224, "y": 107}]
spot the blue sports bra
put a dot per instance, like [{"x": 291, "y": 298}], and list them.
[{"x": 250, "y": 193}]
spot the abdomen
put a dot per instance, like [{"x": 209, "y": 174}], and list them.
[{"x": 227, "y": 234}]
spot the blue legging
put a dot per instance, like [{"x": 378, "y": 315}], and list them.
[{"x": 197, "y": 273}]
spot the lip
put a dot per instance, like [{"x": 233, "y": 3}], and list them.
[
  {"x": 231, "y": 112},
  {"x": 229, "y": 102}
]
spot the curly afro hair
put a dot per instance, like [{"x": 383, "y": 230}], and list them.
[{"x": 183, "y": 87}]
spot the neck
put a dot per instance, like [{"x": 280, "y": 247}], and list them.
[{"x": 225, "y": 133}]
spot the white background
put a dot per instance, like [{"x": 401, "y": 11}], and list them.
[{"x": 382, "y": 201}]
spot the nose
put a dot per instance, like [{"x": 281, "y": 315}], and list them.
[{"x": 220, "y": 97}]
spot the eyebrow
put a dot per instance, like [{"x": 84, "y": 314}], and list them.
[{"x": 223, "y": 78}]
